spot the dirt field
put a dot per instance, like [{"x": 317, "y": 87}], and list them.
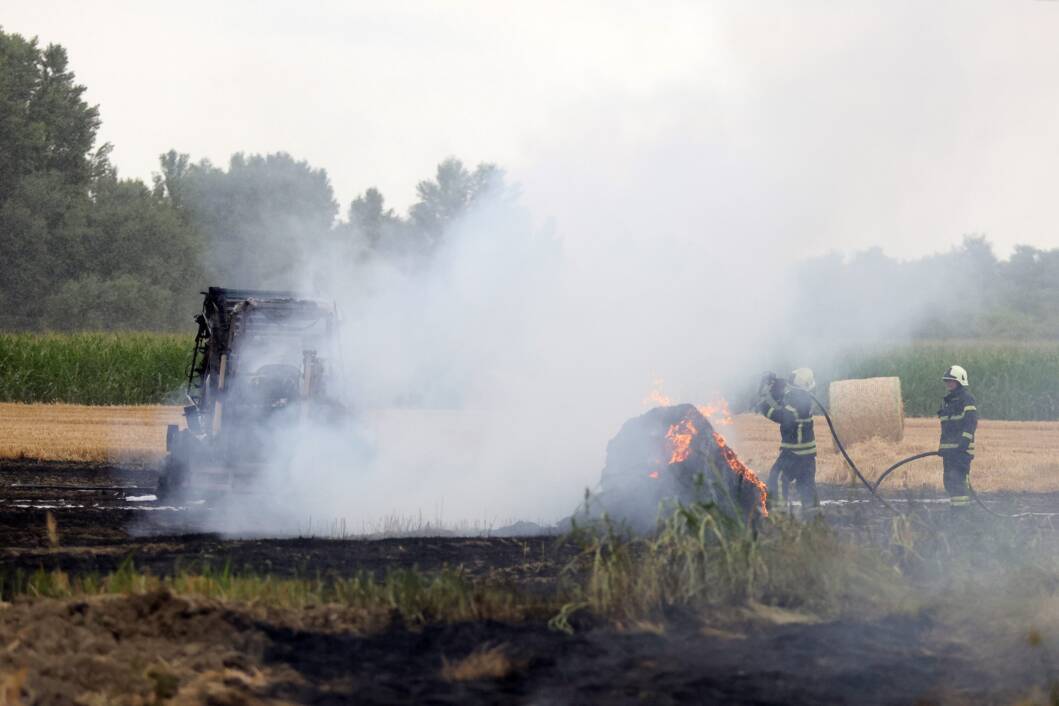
[
  {"x": 246, "y": 656},
  {"x": 200, "y": 651}
]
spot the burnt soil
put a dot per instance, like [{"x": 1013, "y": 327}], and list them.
[{"x": 159, "y": 647}]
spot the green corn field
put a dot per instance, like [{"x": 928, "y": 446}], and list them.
[
  {"x": 93, "y": 368},
  {"x": 1018, "y": 381}
]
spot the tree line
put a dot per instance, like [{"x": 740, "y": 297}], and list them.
[
  {"x": 83, "y": 248},
  {"x": 965, "y": 293}
]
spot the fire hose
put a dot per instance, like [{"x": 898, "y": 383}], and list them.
[
  {"x": 970, "y": 489},
  {"x": 845, "y": 455},
  {"x": 874, "y": 489},
  {"x": 891, "y": 469}
]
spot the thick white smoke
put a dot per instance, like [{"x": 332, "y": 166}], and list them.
[{"x": 485, "y": 381}]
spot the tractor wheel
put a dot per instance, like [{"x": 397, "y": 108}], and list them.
[{"x": 174, "y": 478}]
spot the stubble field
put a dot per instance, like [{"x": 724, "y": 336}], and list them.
[
  {"x": 133, "y": 435},
  {"x": 108, "y": 598},
  {"x": 1012, "y": 456}
]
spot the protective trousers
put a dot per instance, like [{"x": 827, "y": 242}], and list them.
[
  {"x": 800, "y": 470},
  {"x": 957, "y": 467}
]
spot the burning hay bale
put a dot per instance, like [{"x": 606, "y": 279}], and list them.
[
  {"x": 668, "y": 455},
  {"x": 866, "y": 408}
]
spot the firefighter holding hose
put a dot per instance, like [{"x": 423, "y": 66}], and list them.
[
  {"x": 789, "y": 404},
  {"x": 959, "y": 421}
]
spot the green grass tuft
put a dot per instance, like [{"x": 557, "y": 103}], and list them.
[
  {"x": 701, "y": 560},
  {"x": 417, "y": 597}
]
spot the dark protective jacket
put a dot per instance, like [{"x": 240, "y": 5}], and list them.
[
  {"x": 959, "y": 420},
  {"x": 794, "y": 414}
]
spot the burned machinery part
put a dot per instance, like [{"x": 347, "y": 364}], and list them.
[
  {"x": 666, "y": 456},
  {"x": 262, "y": 360}
]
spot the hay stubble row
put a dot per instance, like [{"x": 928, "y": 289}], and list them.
[
  {"x": 132, "y": 435},
  {"x": 1013, "y": 456}
]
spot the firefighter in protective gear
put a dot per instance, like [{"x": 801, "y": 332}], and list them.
[
  {"x": 788, "y": 404},
  {"x": 959, "y": 421}
]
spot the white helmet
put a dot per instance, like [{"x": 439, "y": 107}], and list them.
[
  {"x": 802, "y": 378},
  {"x": 956, "y": 374}
]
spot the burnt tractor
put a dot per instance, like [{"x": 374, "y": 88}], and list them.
[{"x": 263, "y": 361}]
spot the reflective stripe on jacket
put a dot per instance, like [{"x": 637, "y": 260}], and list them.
[
  {"x": 959, "y": 421},
  {"x": 794, "y": 414}
]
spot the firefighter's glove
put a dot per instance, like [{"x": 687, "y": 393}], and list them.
[
  {"x": 766, "y": 400},
  {"x": 765, "y": 387}
]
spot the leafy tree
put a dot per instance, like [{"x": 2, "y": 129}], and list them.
[
  {"x": 130, "y": 231},
  {"x": 449, "y": 195},
  {"x": 372, "y": 230},
  {"x": 964, "y": 293},
  {"x": 259, "y": 220},
  {"x": 45, "y": 123},
  {"x": 126, "y": 301},
  {"x": 40, "y": 224},
  {"x": 170, "y": 182},
  {"x": 369, "y": 217},
  {"x": 81, "y": 248},
  {"x": 59, "y": 234}
]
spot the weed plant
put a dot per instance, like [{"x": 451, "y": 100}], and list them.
[
  {"x": 417, "y": 597},
  {"x": 701, "y": 559},
  {"x": 947, "y": 550}
]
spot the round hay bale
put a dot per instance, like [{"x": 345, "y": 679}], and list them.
[{"x": 863, "y": 409}]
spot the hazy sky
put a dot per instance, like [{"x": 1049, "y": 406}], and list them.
[{"x": 812, "y": 126}]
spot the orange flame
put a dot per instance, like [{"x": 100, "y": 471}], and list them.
[
  {"x": 743, "y": 471},
  {"x": 656, "y": 397},
  {"x": 717, "y": 412},
  {"x": 680, "y": 436}
]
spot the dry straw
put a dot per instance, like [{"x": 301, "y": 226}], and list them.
[{"x": 868, "y": 408}]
